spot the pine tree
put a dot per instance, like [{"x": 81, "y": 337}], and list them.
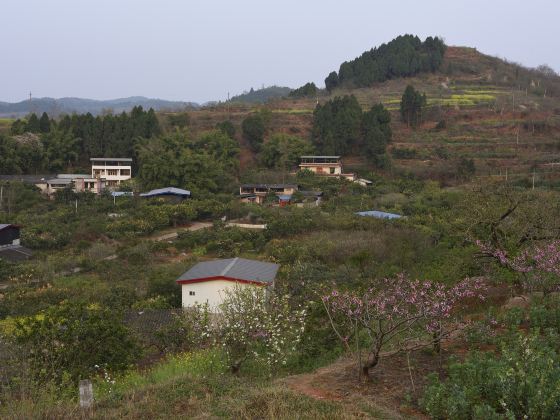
[
  {"x": 32, "y": 125},
  {"x": 44, "y": 123},
  {"x": 412, "y": 106}
]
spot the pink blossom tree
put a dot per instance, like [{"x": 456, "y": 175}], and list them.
[
  {"x": 397, "y": 312},
  {"x": 539, "y": 265}
]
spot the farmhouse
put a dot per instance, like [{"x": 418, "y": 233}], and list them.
[
  {"x": 10, "y": 247},
  {"x": 206, "y": 282},
  {"x": 256, "y": 193},
  {"x": 330, "y": 166},
  {"x": 40, "y": 181}
]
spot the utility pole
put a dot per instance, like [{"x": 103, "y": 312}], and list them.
[
  {"x": 1, "y": 196},
  {"x": 533, "y": 179},
  {"x": 506, "y": 174}
]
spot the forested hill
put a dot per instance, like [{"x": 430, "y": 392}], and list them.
[
  {"x": 404, "y": 56},
  {"x": 263, "y": 95},
  {"x": 55, "y": 107}
]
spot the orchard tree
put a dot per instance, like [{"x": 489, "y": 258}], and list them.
[
  {"x": 70, "y": 340},
  {"x": 412, "y": 106},
  {"x": 227, "y": 128},
  {"x": 399, "y": 312},
  {"x": 538, "y": 265},
  {"x": 255, "y": 323}
]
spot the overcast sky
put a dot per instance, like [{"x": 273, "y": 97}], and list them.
[{"x": 201, "y": 50}]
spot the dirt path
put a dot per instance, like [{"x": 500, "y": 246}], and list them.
[
  {"x": 174, "y": 233},
  {"x": 383, "y": 396}
]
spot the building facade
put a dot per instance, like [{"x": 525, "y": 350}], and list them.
[
  {"x": 256, "y": 193},
  {"x": 112, "y": 170},
  {"x": 325, "y": 166},
  {"x": 208, "y": 282}
]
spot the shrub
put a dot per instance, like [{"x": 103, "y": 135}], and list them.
[
  {"x": 73, "y": 340},
  {"x": 522, "y": 383}
]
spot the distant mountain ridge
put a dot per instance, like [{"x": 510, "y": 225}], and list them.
[{"x": 55, "y": 107}]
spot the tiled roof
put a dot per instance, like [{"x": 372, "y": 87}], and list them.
[
  {"x": 233, "y": 268},
  {"x": 15, "y": 253}
]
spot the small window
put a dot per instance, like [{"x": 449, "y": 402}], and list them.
[
  {"x": 191, "y": 293},
  {"x": 332, "y": 170}
]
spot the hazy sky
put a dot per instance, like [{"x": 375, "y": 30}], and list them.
[{"x": 200, "y": 50}]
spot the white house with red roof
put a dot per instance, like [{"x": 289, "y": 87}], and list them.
[{"x": 206, "y": 282}]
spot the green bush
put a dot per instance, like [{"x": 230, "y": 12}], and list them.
[
  {"x": 75, "y": 341},
  {"x": 521, "y": 383}
]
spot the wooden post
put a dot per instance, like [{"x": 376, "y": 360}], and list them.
[{"x": 86, "y": 393}]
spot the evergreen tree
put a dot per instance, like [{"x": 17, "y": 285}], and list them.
[
  {"x": 253, "y": 128},
  {"x": 337, "y": 125},
  {"x": 331, "y": 81},
  {"x": 377, "y": 134},
  {"x": 309, "y": 89},
  {"x": 412, "y": 106},
  {"x": 32, "y": 125},
  {"x": 402, "y": 57},
  {"x": 44, "y": 123}
]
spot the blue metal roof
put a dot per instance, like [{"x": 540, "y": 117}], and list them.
[
  {"x": 121, "y": 193},
  {"x": 283, "y": 197},
  {"x": 379, "y": 214},
  {"x": 167, "y": 191}
]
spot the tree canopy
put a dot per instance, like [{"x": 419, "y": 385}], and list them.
[
  {"x": 309, "y": 89},
  {"x": 412, "y": 105},
  {"x": 340, "y": 127},
  {"x": 283, "y": 151},
  {"x": 404, "y": 56},
  {"x": 205, "y": 164}
]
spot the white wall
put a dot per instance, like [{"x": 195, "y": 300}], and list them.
[{"x": 211, "y": 292}]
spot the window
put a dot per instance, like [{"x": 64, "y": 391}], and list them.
[
  {"x": 191, "y": 293},
  {"x": 332, "y": 170},
  {"x": 112, "y": 172}
]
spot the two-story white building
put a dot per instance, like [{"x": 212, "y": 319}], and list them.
[
  {"x": 325, "y": 166},
  {"x": 112, "y": 170}
]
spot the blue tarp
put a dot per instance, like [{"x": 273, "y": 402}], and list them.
[
  {"x": 121, "y": 193},
  {"x": 179, "y": 192},
  {"x": 379, "y": 214}
]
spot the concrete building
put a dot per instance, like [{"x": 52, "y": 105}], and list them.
[
  {"x": 206, "y": 282},
  {"x": 330, "y": 166},
  {"x": 112, "y": 170},
  {"x": 256, "y": 193}
]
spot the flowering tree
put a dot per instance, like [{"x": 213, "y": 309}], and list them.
[
  {"x": 397, "y": 311},
  {"x": 253, "y": 323},
  {"x": 539, "y": 264}
]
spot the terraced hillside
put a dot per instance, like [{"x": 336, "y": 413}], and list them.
[{"x": 504, "y": 117}]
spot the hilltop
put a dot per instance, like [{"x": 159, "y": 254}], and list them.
[{"x": 500, "y": 114}]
